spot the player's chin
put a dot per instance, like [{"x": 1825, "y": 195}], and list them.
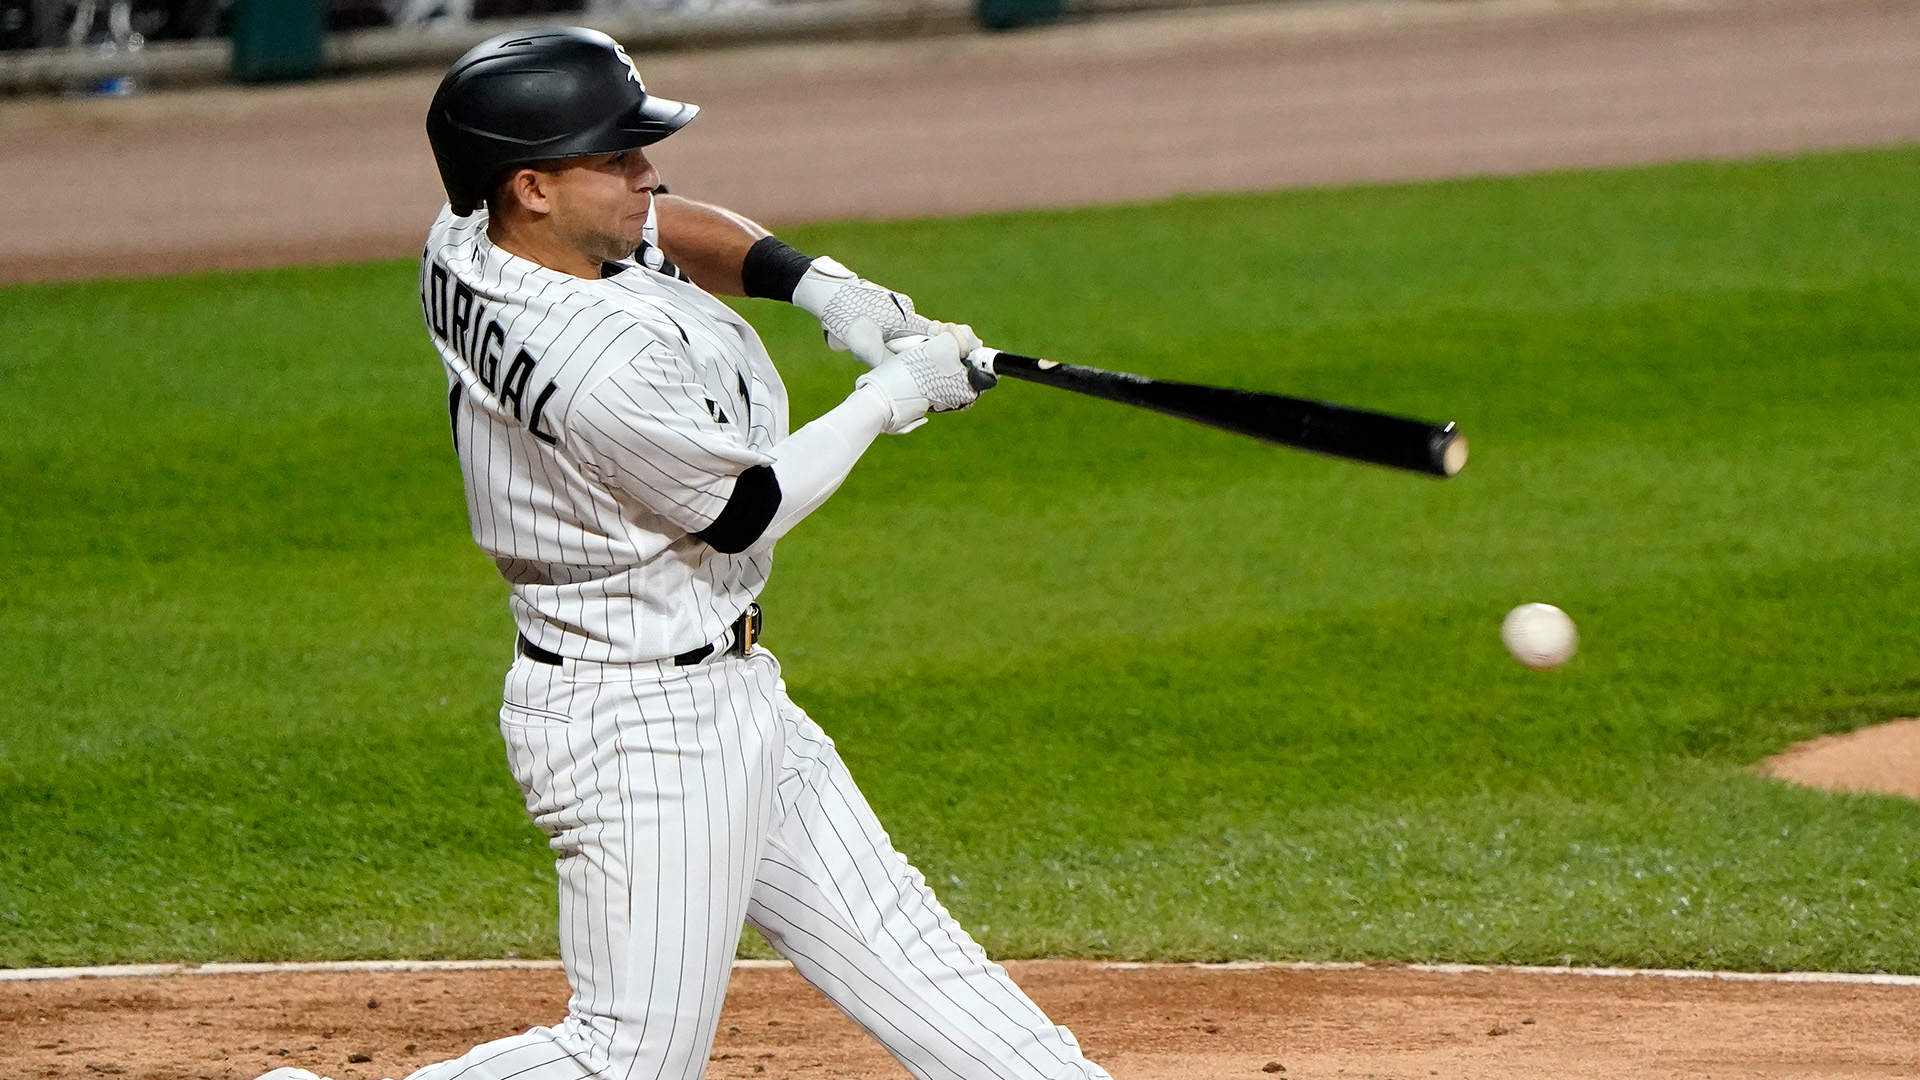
[{"x": 624, "y": 238}]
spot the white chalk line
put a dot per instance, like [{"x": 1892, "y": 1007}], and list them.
[
  {"x": 349, "y": 967},
  {"x": 305, "y": 967},
  {"x": 122, "y": 971},
  {"x": 1856, "y": 978}
]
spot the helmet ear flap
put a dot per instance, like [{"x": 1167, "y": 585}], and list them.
[{"x": 464, "y": 196}]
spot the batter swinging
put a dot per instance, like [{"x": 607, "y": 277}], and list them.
[{"x": 628, "y": 467}]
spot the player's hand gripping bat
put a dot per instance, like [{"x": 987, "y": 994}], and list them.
[{"x": 1335, "y": 430}]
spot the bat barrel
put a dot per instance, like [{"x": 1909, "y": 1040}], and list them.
[
  {"x": 1357, "y": 434},
  {"x": 1318, "y": 426}
]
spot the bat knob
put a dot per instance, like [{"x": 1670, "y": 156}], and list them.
[{"x": 979, "y": 365}]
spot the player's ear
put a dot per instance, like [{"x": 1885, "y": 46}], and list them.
[{"x": 528, "y": 187}]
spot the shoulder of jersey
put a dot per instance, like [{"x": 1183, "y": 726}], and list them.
[
  {"x": 445, "y": 222},
  {"x": 652, "y": 308},
  {"x": 655, "y": 333}
]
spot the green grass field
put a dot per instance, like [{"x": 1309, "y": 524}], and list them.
[{"x": 1122, "y": 686}]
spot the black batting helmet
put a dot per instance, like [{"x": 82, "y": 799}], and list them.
[{"x": 538, "y": 95}]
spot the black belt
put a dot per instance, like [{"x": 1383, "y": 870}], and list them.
[{"x": 744, "y": 632}]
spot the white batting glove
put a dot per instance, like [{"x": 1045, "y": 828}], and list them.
[
  {"x": 927, "y": 377},
  {"x": 857, "y": 315},
  {"x": 973, "y": 352},
  {"x": 961, "y": 332}
]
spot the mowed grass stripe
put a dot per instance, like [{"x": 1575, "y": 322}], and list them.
[{"x": 1122, "y": 686}]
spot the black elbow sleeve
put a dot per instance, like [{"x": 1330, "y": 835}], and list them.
[
  {"x": 755, "y": 499},
  {"x": 772, "y": 269}
]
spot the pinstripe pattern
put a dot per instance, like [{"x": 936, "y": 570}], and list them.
[
  {"x": 682, "y": 801},
  {"x": 861, "y": 924},
  {"x": 598, "y": 424}
]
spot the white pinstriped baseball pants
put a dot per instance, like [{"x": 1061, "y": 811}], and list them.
[{"x": 683, "y": 801}]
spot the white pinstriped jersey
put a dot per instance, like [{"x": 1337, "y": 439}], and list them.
[{"x": 599, "y": 423}]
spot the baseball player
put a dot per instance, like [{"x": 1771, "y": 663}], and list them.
[{"x": 629, "y": 468}]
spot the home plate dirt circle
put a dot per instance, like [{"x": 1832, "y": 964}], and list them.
[{"x": 1144, "y": 1022}]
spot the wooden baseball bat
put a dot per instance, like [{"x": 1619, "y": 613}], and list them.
[{"x": 1324, "y": 428}]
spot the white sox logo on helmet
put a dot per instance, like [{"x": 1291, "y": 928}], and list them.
[{"x": 632, "y": 71}]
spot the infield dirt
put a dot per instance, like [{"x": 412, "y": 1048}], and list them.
[
  {"x": 1883, "y": 760},
  {"x": 1160, "y": 1023}
]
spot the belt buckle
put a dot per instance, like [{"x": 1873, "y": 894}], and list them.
[{"x": 748, "y": 633}]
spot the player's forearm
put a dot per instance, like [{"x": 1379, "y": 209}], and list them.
[
  {"x": 813, "y": 462},
  {"x": 729, "y": 255},
  {"x": 808, "y": 466},
  {"x": 709, "y": 243}
]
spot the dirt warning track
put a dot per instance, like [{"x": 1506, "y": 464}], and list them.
[
  {"x": 1123, "y": 109},
  {"x": 1154, "y": 1023}
]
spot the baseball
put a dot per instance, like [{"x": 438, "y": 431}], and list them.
[{"x": 1539, "y": 635}]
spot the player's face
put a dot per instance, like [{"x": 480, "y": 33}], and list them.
[{"x": 600, "y": 203}]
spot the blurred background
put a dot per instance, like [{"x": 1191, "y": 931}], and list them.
[
  {"x": 294, "y": 134},
  {"x": 31, "y": 24}
]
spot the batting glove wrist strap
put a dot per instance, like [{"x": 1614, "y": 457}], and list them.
[
  {"x": 820, "y": 282},
  {"x": 857, "y": 315}
]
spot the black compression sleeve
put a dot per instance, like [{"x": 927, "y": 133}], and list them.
[
  {"x": 771, "y": 269},
  {"x": 755, "y": 499}
]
